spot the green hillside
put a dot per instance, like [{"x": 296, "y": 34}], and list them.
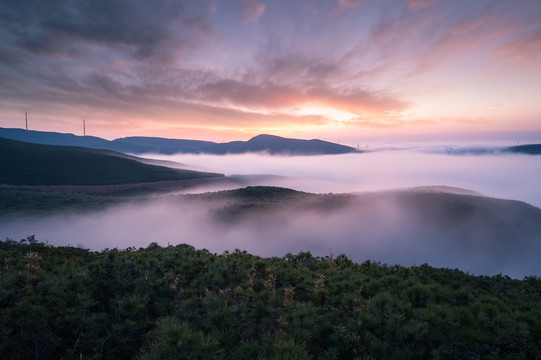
[
  {"x": 181, "y": 303},
  {"x": 34, "y": 164}
]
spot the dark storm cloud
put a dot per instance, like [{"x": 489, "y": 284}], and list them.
[
  {"x": 59, "y": 27},
  {"x": 96, "y": 53}
]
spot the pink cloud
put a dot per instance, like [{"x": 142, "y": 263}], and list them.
[
  {"x": 251, "y": 10},
  {"x": 524, "y": 49},
  {"x": 414, "y": 5},
  {"x": 436, "y": 38},
  {"x": 350, "y": 4}
]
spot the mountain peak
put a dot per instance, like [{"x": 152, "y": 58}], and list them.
[{"x": 266, "y": 136}]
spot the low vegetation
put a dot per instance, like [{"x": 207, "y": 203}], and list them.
[
  {"x": 177, "y": 302},
  {"x": 28, "y": 202}
]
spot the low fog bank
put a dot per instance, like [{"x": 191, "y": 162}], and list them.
[
  {"x": 472, "y": 233},
  {"x": 507, "y": 176}
]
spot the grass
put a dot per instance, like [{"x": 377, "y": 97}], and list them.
[
  {"x": 29, "y": 202},
  {"x": 42, "y": 165}
]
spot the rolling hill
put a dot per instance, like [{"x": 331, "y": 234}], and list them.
[
  {"x": 139, "y": 144},
  {"x": 36, "y": 164},
  {"x": 445, "y": 227},
  {"x": 428, "y": 207}
]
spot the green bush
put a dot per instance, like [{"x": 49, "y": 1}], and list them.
[{"x": 182, "y": 303}]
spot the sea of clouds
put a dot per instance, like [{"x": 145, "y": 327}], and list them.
[{"x": 383, "y": 233}]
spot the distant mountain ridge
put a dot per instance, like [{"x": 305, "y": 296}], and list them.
[
  {"x": 140, "y": 144},
  {"x": 531, "y": 149}
]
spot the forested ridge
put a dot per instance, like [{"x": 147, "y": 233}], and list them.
[{"x": 177, "y": 302}]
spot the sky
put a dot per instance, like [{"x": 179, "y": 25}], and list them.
[{"x": 228, "y": 70}]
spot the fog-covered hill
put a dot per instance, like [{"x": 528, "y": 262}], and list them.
[{"x": 444, "y": 227}]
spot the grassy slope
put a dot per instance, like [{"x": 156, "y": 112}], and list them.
[
  {"x": 32, "y": 164},
  {"x": 253, "y": 201},
  {"x": 16, "y": 202},
  {"x": 240, "y": 202}
]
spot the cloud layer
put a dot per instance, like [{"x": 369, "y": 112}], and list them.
[
  {"x": 394, "y": 166},
  {"x": 245, "y": 67}
]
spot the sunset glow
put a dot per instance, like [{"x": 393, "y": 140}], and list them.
[{"x": 228, "y": 70}]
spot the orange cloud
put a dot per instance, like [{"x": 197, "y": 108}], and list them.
[
  {"x": 390, "y": 123},
  {"x": 273, "y": 98},
  {"x": 361, "y": 103}
]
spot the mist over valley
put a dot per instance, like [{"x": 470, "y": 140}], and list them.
[
  {"x": 398, "y": 207},
  {"x": 501, "y": 175}
]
